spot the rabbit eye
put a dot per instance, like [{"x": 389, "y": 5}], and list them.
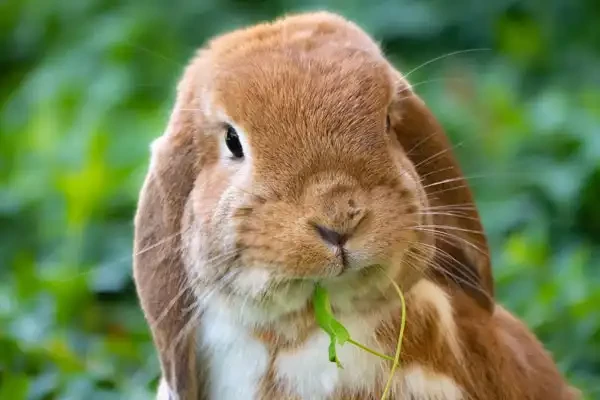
[
  {"x": 387, "y": 123},
  {"x": 232, "y": 141}
]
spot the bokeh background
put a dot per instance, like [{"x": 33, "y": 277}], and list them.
[{"x": 85, "y": 85}]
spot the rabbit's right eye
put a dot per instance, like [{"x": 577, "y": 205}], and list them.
[{"x": 232, "y": 141}]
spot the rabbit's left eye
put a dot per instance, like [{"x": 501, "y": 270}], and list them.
[
  {"x": 232, "y": 141},
  {"x": 387, "y": 123}
]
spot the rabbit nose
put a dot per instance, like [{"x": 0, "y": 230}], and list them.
[
  {"x": 330, "y": 236},
  {"x": 339, "y": 227}
]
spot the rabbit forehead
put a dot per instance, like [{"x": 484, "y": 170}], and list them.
[
  {"x": 341, "y": 87},
  {"x": 308, "y": 65}
]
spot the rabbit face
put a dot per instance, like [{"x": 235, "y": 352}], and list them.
[{"x": 302, "y": 178}]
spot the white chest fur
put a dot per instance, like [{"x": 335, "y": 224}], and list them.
[
  {"x": 237, "y": 362},
  {"x": 310, "y": 375}
]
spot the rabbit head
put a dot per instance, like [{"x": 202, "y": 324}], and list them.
[{"x": 296, "y": 153}]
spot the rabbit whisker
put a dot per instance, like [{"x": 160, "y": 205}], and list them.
[
  {"x": 453, "y": 228},
  {"x": 189, "y": 326},
  {"x": 445, "y": 181},
  {"x": 422, "y": 141},
  {"x": 187, "y": 285},
  {"x": 157, "y": 244},
  {"x": 435, "y": 171},
  {"x": 457, "y": 207},
  {"x": 436, "y": 155},
  {"x": 437, "y": 264},
  {"x": 441, "y": 58},
  {"x": 449, "y": 238},
  {"x": 447, "y": 258},
  {"x": 448, "y": 214}
]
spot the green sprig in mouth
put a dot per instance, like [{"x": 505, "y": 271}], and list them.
[{"x": 338, "y": 334}]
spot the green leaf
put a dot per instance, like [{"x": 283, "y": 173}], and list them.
[
  {"x": 325, "y": 319},
  {"x": 340, "y": 331},
  {"x": 332, "y": 352},
  {"x": 323, "y": 313}
]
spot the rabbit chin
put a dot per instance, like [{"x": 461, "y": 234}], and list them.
[{"x": 256, "y": 297}]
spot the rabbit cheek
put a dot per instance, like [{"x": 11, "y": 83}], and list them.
[{"x": 208, "y": 246}]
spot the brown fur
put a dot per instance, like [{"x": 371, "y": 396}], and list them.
[{"x": 312, "y": 92}]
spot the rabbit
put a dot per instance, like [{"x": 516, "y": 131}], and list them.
[{"x": 295, "y": 154}]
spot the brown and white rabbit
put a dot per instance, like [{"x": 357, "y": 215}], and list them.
[{"x": 297, "y": 154}]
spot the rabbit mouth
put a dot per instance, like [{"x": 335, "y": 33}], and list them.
[
  {"x": 284, "y": 287},
  {"x": 351, "y": 291}
]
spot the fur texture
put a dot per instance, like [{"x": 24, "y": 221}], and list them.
[{"x": 227, "y": 250}]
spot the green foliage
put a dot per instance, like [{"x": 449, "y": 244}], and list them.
[{"x": 86, "y": 85}]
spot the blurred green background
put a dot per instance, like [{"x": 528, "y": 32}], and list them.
[{"x": 85, "y": 85}]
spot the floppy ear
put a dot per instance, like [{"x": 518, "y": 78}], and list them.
[
  {"x": 159, "y": 273},
  {"x": 463, "y": 253}
]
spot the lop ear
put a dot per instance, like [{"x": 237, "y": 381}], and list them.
[
  {"x": 463, "y": 253},
  {"x": 159, "y": 273}
]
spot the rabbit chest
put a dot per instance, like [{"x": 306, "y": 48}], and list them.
[{"x": 239, "y": 366}]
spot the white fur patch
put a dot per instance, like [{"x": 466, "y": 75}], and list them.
[
  {"x": 155, "y": 148},
  {"x": 236, "y": 361},
  {"x": 281, "y": 302},
  {"x": 308, "y": 373},
  {"x": 156, "y": 143},
  {"x": 253, "y": 281},
  {"x": 423, "y": 385},
  {"x": 206, "y": 102},
  {"x": 163, "y": 392}
]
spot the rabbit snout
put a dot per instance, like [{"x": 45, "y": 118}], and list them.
[{"x": 338, "y": 210}]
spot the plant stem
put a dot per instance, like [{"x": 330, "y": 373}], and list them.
[
  {"x": 368, "y": 350},
  {"x": 399, "y": 345}
]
